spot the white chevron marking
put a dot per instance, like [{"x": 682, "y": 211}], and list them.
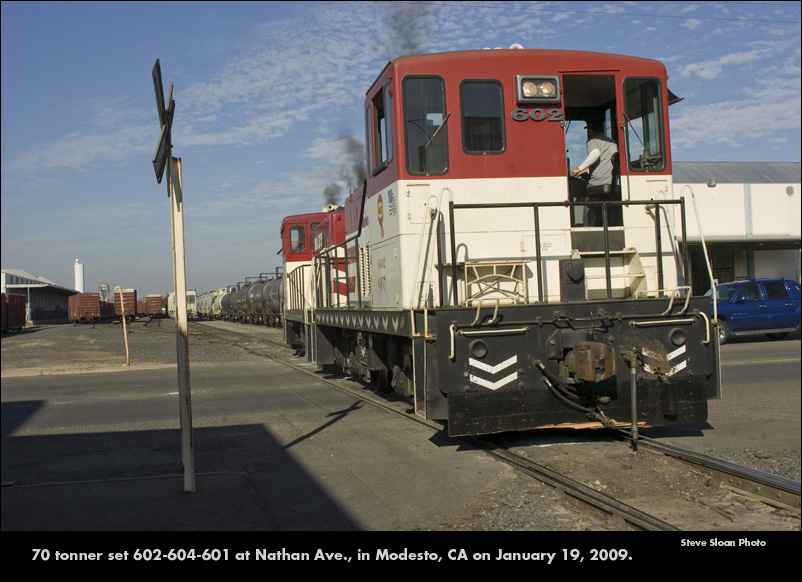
[
  {"x": 681, "y": 366},
  {"x": 493, "y": 385},
  {"x": 677, "y": 352},
  {"x": 493, "y": 369}
]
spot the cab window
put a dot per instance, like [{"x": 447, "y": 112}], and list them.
[
  {"x": 482, "y": 117},
  {"x": 425, "y": 126},
  {"x": 297, "y": 239},
  {"x": 381, "y": 132},
  {"x": 645, "y": 125}
]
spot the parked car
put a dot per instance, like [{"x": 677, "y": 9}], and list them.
[{"x": 770, "y": 306}]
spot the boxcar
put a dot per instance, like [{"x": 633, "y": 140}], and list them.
[{"x": 13, "y": 311}]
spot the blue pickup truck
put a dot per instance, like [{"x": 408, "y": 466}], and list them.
[{"x": 770, "y": 306}]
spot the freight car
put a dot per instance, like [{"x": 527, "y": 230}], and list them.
[
  {"x": 127, "y": 304},
  {"x": 484, "y": 282},
  {"x": 208, "y": 304},
  {"x": 13, "y": 314},
  {"x": 257, "y": 300},
  {"x": 153, "y": 307},
  {"x": 89, "y": 308},
  {"x": 192, "y": 299}
]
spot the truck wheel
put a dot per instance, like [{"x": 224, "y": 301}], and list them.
[{"x": 723, "y": 332}]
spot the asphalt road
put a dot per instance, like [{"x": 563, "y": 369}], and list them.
[{"x": 274, "y": 450}]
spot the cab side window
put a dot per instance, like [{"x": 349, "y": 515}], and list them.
[
  {"x": 482, "y": 117},
  {"x": 379, "y": 122},
  {"x": 297, "y": 239},
  {"x": 425, "y": 126},
  {"x": 645, "y": 125}
]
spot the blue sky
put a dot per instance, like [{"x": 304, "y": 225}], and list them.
[{"x": 268, "y": 93}]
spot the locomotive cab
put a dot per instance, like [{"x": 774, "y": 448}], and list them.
[
  {"x": 478, "y": 129},
  {"x": 490, "y": 287},
  {"x": 303, "y": 236}
]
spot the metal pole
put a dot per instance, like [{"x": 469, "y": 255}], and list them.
[
  {"x": 538, "y": 255},
  {"x": 125, "y": 328},
  {"x": 174, "y": 184},
  {"x": 633, "y": 396}
]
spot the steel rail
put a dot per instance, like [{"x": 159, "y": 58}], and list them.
[
  {"x": 608, "y": 506},
  {"x": 773, "y": 490}
]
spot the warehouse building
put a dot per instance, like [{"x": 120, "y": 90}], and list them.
[
  {"x": 748, "y": 216},
  {"x": 47, "y": 302}
]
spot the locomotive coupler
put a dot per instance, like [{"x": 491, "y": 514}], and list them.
[{"x": 583, "y": 360}]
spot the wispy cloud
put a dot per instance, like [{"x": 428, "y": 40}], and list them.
[
  {"x": 268, "y": 93},
  {"x": 735, "y": 124},
  {"x": 84, "y": 151},
  {"x": 715, "y": 68}
]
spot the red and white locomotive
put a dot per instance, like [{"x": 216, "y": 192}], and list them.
[{"x": 465, "y": 275}]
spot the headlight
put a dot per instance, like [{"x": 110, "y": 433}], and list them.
[{"x": 538, "y": 89}]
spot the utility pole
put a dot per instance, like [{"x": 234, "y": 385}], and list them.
[{"x": 163, "y": 159}]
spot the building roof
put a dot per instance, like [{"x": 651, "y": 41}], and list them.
[
  {"x": 19, "y": 273},
  {"x": 19, "y": 279},
  {"x": 738, "y": 172}
]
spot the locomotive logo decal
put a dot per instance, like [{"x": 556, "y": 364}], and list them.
[
  {"x": 391, "y": 205},
  {"x": 492, "y": 371},
  {"x": 380, "y": 209}
]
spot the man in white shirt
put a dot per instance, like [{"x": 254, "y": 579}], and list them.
[{"x": 599, "y": 164}]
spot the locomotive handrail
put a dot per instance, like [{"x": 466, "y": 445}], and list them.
[
  {"x": 662, "y": 322},
  {"x": 479, "y": 309},
  {"x": 674, "y": 293},
  {"x": 536, "y": 207},
  {"x": 453, "y": 331},
  {"x": 354, "y": 237},
  {"x": 324, "y": 261},
  {"x": 434, "y": 214},
  {"x": 672, "y": 238}
]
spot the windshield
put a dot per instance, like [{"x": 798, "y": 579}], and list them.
[{"x": 725, "y": 292}]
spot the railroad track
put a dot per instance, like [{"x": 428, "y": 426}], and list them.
[{"x": 770, "y": 489}]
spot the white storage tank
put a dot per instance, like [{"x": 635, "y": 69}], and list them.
[{"x": 79, "y": 276}]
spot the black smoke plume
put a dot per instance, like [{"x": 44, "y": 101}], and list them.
[{"x": 351, "y": 172}]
